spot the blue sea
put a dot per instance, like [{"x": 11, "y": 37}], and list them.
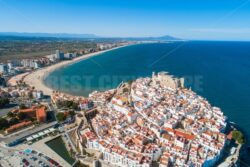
[{"x": 218, "y": 71}]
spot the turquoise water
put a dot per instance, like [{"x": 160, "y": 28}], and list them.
[{"x": 219, "y": 71}]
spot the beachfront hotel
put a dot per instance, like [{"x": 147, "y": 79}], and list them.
[{"x": 157, "y": 120}]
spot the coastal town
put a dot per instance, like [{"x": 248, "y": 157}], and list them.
[
  {"x": 124, "y": 83},
  {"x": 27, "y": 110},
  {"x": 156, "y": 121},
  {"x": 152, "y": 121}
]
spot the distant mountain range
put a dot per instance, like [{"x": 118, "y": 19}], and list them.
[
  {"x": 162, "y": 38},
  {"x": 48, "y": 35},
  {"x": 83, "y": 36}
]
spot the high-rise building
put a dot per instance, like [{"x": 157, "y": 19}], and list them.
[
  {"x": 15, "y": 63},
  {"x": 32, "y": 63},
  {"x": 3, "y": 68},
  {"x": 59, "y": 55},
  {"x": 68, "y": 56}
]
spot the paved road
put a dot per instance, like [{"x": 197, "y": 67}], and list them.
[{"x": 4, "y": 111}]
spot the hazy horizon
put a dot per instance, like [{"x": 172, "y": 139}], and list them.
[
  {"x": 125, "y": 37},
  {"x": 193, "y": 20}
]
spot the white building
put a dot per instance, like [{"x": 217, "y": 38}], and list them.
[{"x": 59, "y": 55}]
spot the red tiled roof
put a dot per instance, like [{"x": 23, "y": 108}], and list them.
[
  {"x": 180, "y": 133},
  {"x": 18, "y": 126},
  {"x": 185, "y": 135},
  {"x": 41, "y": 113}
]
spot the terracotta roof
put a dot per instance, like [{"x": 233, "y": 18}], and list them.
[
  {"x": 27, "y": 110},
  {"x": 185, "y": 135},
  {"x": 18, "y": 126},
  {"x": 41, "y": 112}
]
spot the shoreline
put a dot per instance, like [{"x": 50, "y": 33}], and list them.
[{"x": 36, "y": 78}]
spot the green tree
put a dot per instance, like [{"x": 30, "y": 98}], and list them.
[
  {"x": 238, "y": 137},
  {"x": 61, "y": 117},
  {"x": 3, "y": 123},
  {"x": 125, "y": 90},
  {"x": 21, "y": 116},
  {"x": 22, "y": 106},
  {"x": 32, "y": 119},
  {"x": 130, "y": 82},
  {"x": 3, "y": 102},
  {"x": 72, "y": 113},
  {"x": 11, "y": 114},
  {"x": 30, "y": 96},
  {"x": 13, "y": 121},
  {"x": 75, "y": 106},
  {"x": 68, "y": 104}
]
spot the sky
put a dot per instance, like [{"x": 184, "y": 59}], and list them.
[{"x": 186, "y": 19}]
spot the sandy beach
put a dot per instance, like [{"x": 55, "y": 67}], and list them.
[
  {"x": 36, "y": 78},
  {"x": 14, "y": 80}
]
